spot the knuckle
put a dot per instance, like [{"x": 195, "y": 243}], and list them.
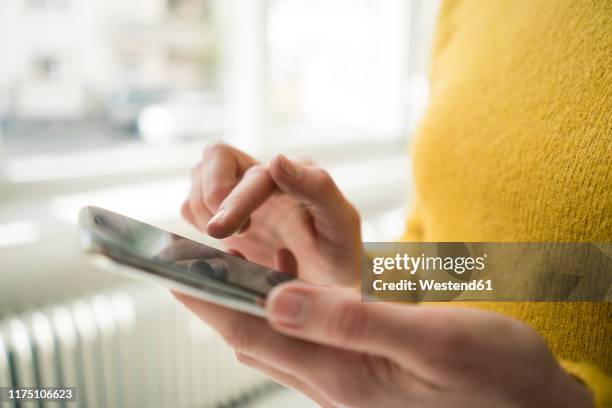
[
  {"x": 185, "y": 210},
  {"x": 238, "y": 337},
  {"x": 350, "y": 321},
  {"x": 214, "y": 148},
  {"x": 323, "y": 180},
  {"x": 197, "y": 207},
  {"x": 457, "y": 333},
  {"x": 450, "y": 335},
  {"x": 216, "y": 195},
  {"x": 257, "y": 170},
  {"x": 522, "y": 337},
  {"x": 456, "y": 339},
  {"x": 195, "y": 170},
  {"x": 244, "y": 359},
  {"x": 353, "y": 215}
]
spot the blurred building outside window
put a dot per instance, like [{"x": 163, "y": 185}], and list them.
[
  {"x": 99, "y": 65},
  {"x": 266, "y": 75}
]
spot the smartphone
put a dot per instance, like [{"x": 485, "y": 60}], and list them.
[{"x": 141, "y": 251}]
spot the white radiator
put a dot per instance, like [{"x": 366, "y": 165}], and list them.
[{"x": 133, "y": 347}]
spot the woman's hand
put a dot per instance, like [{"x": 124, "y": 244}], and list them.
[
  {"x": 326, "y": 343},
  {"x": 285, "y": 215}
]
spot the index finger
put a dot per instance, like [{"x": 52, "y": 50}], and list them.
[
  {"x": 249, "y": 194},
  {"x": 222, "y": 167}
]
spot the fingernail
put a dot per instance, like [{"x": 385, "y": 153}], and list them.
[
  {"x": 218, "y": 217},
  {"x": 288, "y": 167},
  {"x": 290, "y": 308}
]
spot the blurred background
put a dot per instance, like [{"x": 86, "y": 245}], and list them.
[{"x": 111, "y": 102}]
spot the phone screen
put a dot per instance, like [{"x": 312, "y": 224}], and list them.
[{"x": 172, "y": 257}]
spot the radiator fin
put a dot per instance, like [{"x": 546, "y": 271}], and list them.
[{"x": 130, "y": 347}]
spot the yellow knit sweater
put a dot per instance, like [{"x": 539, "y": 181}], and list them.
[{"x": 517, "y": 146}]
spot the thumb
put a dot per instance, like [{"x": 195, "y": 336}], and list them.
[
  {"x": 334, "y": 217},
  {"x": 336, "y": 317}
]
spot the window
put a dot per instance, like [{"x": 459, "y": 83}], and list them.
[
  {"x": 336, "y": 68},
  {"x": 168, "y": 75}
]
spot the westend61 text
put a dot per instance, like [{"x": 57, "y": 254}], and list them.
[{"x": 432, "y": 285}]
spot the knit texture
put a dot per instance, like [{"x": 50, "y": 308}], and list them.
[{"x": 516, "y": 145}]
